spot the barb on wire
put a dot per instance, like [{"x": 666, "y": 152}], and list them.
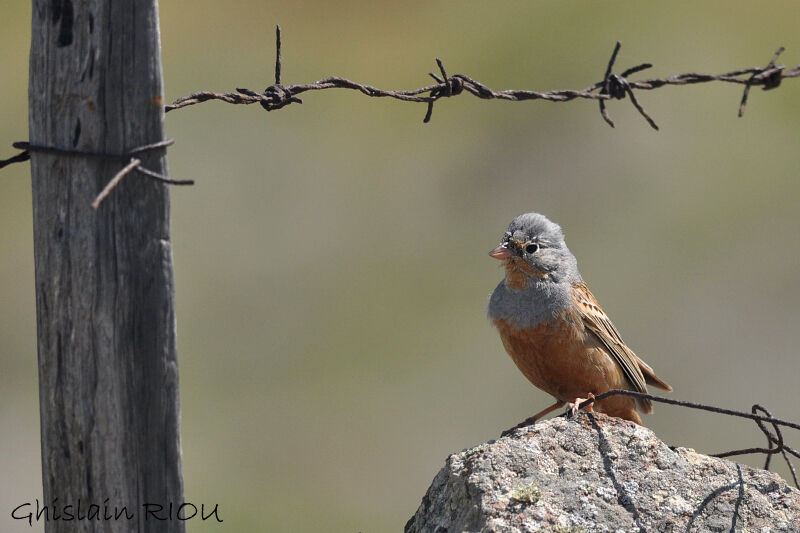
[
  {"x": 114, "y": 181},
  {"x": 612, "y": 86},
  {"x": 617, "y": 86},
  {"x": 771, "y": 76},
  {"x": 134, "y": 164},
  {"x": 276, "y": 95},
  {"x": 772, "y": 438},
  {"x": 450, "y": 87}
]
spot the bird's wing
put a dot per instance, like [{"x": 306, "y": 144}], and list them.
[
  {"x": 597, "y": 322},
  {"x": 651, "y": 378}
]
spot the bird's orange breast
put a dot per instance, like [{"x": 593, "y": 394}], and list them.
[{"x": 561, "y": 358}]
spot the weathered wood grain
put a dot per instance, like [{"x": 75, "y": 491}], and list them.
[{"x": 108, "y": 372}]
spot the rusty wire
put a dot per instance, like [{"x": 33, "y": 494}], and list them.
[
  {"x": 612, "y": 86},
  {"x": 760, "y": 419},
  {"x": 772, "y": 438},
  {"x": 134, "y": 164}
]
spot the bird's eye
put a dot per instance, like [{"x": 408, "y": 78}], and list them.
[{"x": 531, "y": 248}]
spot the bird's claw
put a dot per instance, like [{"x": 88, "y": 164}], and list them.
[{"x": 574, "y": 406}]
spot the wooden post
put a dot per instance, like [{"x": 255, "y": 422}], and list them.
[{"x": 108, "y": 375}]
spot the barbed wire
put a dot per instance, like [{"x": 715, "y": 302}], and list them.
[
  {"x": 278, "y": 96},
  {"x": 612, "y": 86},
  {"x": 134, "y": 164},
  {"x": 772, "y": 438}
]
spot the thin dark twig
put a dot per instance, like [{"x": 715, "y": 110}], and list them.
[{"x": 612, "y": 86}]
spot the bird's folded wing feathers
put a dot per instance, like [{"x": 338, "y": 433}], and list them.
[{"x": 598, "y": 323}]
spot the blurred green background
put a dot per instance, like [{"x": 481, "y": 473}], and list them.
[{"x": 331, "y": 261}]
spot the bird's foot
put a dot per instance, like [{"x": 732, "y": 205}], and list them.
[{"x": 576, "y": 404}]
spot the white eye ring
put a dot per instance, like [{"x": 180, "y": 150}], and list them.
[{"x": 531, "y": 248}]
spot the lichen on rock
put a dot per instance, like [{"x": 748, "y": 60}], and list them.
[{"x": 598, "y": 474}]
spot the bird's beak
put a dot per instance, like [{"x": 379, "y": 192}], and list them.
[{"x": 501, "y": 252}]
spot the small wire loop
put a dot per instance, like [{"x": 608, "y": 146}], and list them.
[
  {"x": 134, "y": 164},
  {"x": 760, "y": 419},
  {"x": 278, "y": 96}
]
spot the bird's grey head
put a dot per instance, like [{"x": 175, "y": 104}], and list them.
[{"x": 534, "y": 247}]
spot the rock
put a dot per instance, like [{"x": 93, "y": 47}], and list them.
[{"x": 599, "y": 474}]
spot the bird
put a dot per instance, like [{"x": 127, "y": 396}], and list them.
[{"x": 555, "y": 330}]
